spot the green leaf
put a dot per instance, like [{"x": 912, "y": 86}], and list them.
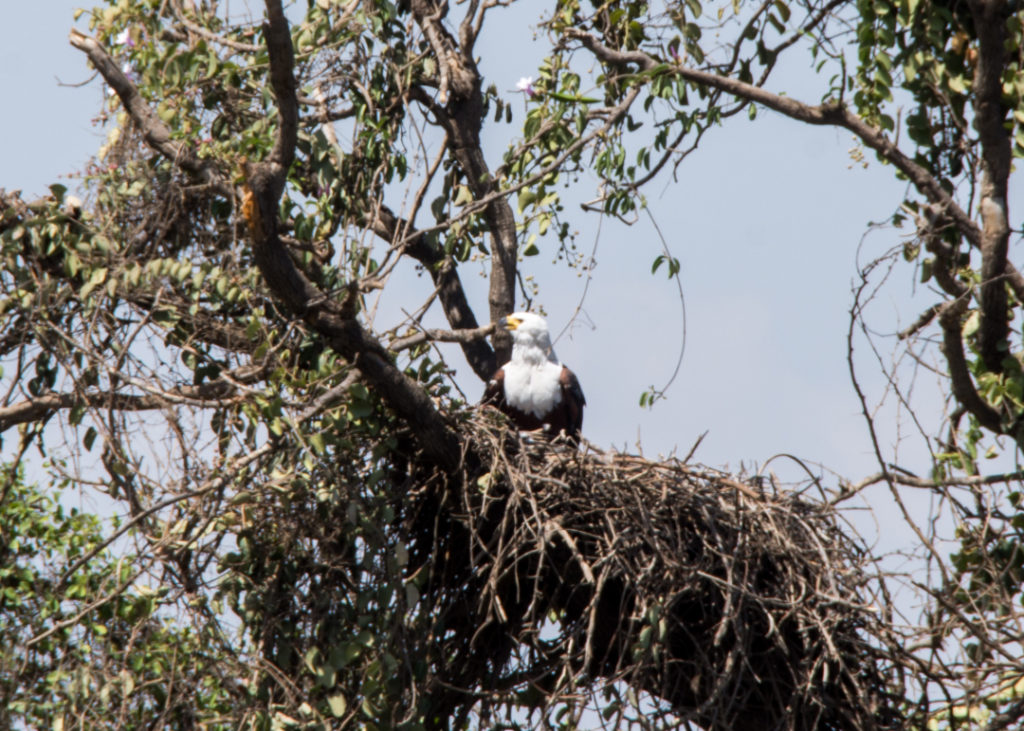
[
  {"x": 337, "y": 704},
  {"x": 971, "y": 325},
  {"x": 526, "y": 197},
  {"x": 97, "y": 278},
  {"x": 927, "y": 269},
  {"x": 573, "y": 98},
  {"x": 531, "y": 247},
  {"x": 958, "y": 84},
  {"x": 463, "y": 196}
]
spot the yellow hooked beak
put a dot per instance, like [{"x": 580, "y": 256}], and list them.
[{"x": 511, "y": 323}]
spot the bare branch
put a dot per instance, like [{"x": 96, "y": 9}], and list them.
[
  {"x": 902, "y": 477},
  {"x": 922, "y": 321},
  {"x": 959, "y": 373},
  {"x": 441, "y": 336},
  {"x": 217, "y": 393},
  {"x": 462, "y": 118},
  {"x": 445, "y": 273},
  {"x": 996, "y": 154},
  {"x": 211, "y": 36}
]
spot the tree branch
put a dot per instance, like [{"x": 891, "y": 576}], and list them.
[
  {"x": 326, "y": 317},
  {"x": 901, "y": 477},
  {"x": 959, "y": 373},
  {"x": 441, "y": 336},
  {"x": 922, "y": 321},
  {"x": 203, "y": 324},
  {"x": 990, "y": 117},
  {"x": 210, "y": 35},
  {"x": 266, "y": 183},
  {"x": 992, "y": 240},
  {"x": 156, "y": 133},
  {"x": 824, "y": 114},
  {"x": 445, "y": 274},
  {"x": 282, "y": 81},
  {"x": 214, "y": 393},
  {"x": 462, "y": 118}
]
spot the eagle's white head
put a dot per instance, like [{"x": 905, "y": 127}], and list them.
[{"x": 531, "y": 341}]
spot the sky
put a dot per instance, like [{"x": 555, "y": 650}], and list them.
[{"x": 768, "y": 220}]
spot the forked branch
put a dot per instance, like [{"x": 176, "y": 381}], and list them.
[{"x": 265, "y": 185}]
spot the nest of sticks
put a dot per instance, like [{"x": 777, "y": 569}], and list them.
[{"x": 721, "y": 601}]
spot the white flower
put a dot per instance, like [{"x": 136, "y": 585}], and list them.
[
  {"x": 129, "y": 72},
  {"x": 525, "y": 85},
  {"x": 124, "y": 38}
]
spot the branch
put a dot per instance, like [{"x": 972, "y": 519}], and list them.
[
  {"x": 266, "y": 183},
  {"x": 282, "y": 81},
  {"x": 210, "y": 35},
  {"x": 441, "y": 336},
  {"x": 204, "y": 325},
  {"x": 457, "y": 72},
  {"x": 35, "y": 409},
  {"x": 902, "y": 477},
  {"x": 991, "y": 241},
  {"x": 989, "y": 119},
  {"x": 959, "y": 373},
  {"x": 824, "y": 114},
  {"x": 260, "y": 207},
  {"x": 220, "y": 392},
  {"x": 156, "y": 133},
  {"x": 922, "y": 321},
  {"x": 462, "y": 118},
  {"x": 445, "y": 273},
  {"x": 229, "y": 472}
]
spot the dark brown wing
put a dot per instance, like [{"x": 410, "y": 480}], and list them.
[
  {"x": 567, "y": 416},
  {"x": 572, "y": 403},
  {"x": 494, "y": 391}
]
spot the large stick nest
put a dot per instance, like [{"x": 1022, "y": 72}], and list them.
[{"x": 729, "y": 604}]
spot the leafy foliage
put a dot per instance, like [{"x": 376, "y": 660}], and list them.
[
  {"x": 81, "y": 649},
  {"x": 199, "y": 342}
]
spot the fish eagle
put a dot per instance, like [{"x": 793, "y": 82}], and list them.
[{"x": 534, "y": 389}]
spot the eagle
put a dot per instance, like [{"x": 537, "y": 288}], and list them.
[{"x": 534, "y": 389}]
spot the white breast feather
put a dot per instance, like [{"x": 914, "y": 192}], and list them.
[{"x": 533, "y": 389}]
